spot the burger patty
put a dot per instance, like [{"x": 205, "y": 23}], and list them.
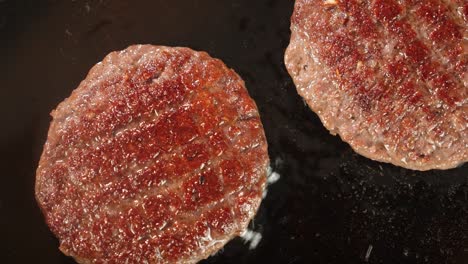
[
  {"x": 159, "y": 156},
  {"x": 389, "y": 77}
]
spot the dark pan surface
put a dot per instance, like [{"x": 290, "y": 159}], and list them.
[{"x": 329, "y": 206}]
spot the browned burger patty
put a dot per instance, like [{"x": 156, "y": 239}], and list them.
[
  {"x": 159, "y": 156},
  {"x": 390, "y": 77}
]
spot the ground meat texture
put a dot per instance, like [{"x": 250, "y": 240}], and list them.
[
  {"x": 390, "y": 77},
  {"x": 159, "y": 156}
]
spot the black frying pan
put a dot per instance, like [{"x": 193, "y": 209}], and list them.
[{"x": 330, "y": 205}]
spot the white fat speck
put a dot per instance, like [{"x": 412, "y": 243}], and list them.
[
  {"x": 330, "y": 2},
  {"x": 251, "y": 237},
  {"x": 273, "y": 177},
  {"x": 269, "y": 171},
  {"x": 158, "y": 254},
  {"x": 368, "y": 253},
  {"x": 163, "y": 226},
  {"x": 207, "y": 236},
  {"x": 162, "y": 183},
  {"x": 208, "y": 241}
]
